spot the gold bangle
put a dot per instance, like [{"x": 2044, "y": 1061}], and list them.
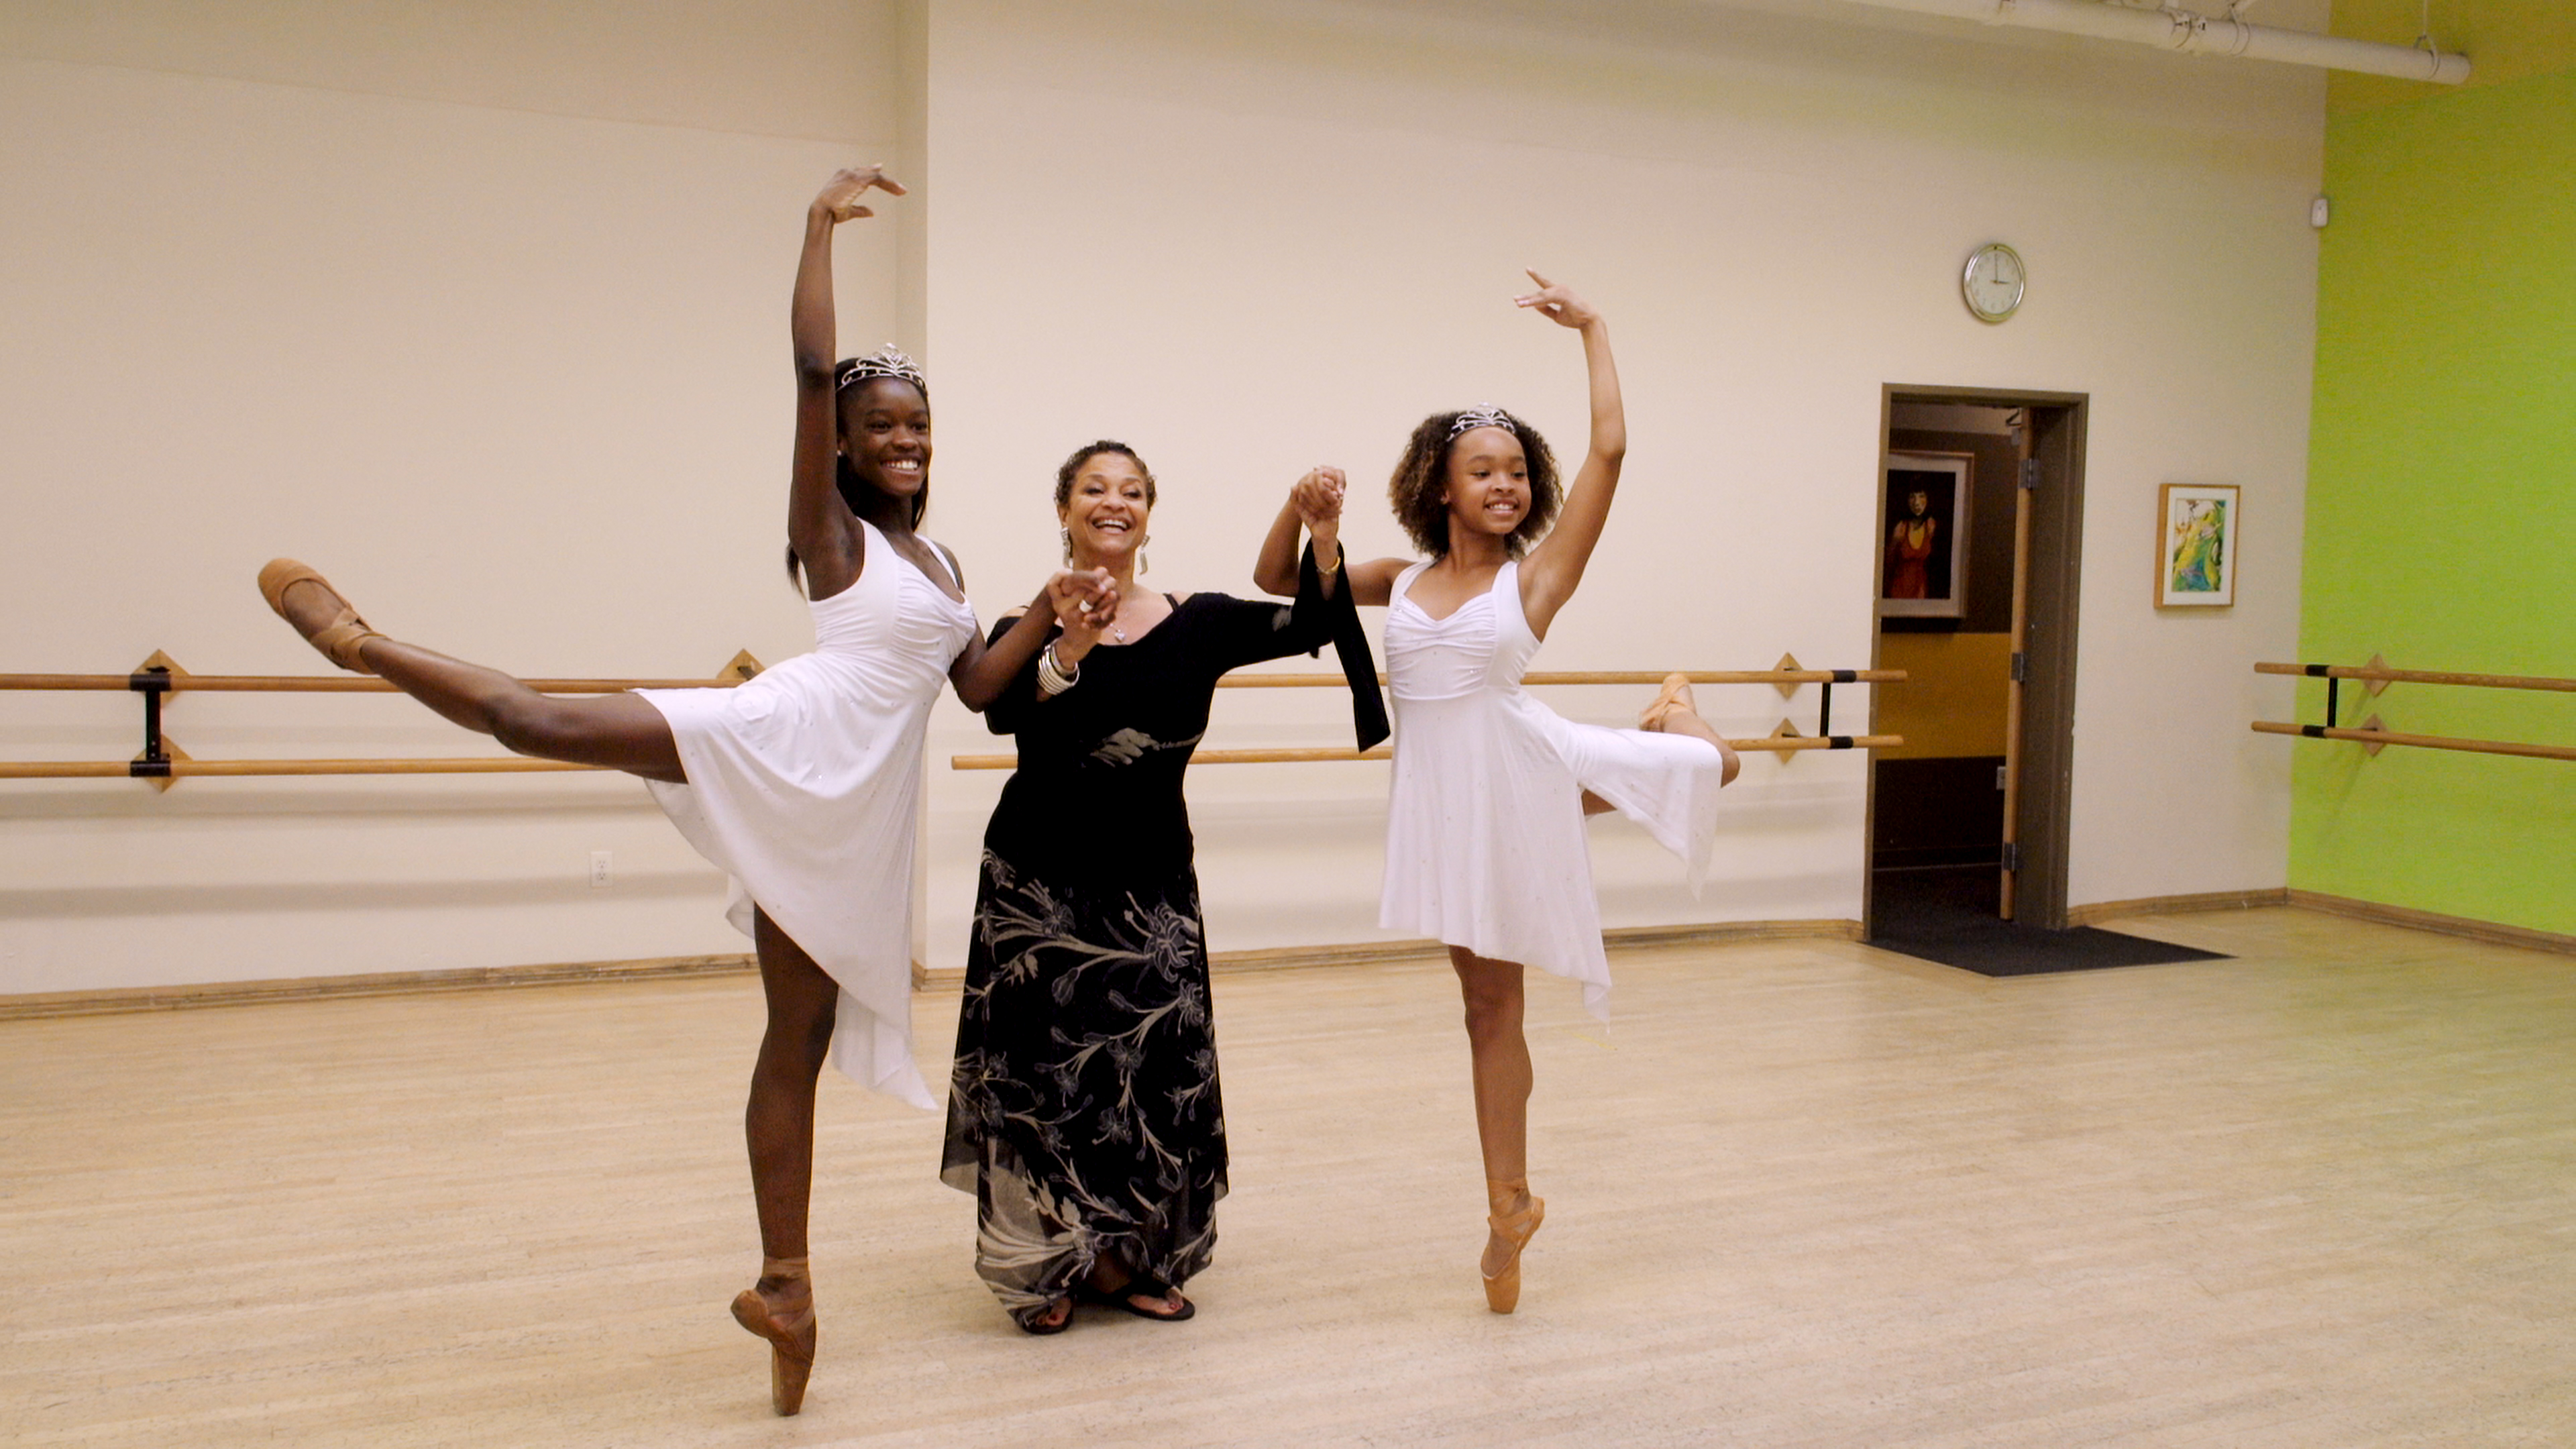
[{"x": 1322, "y": 572}]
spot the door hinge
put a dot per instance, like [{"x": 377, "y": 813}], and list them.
[
  {"x": 2030, "y": 472},
  {"x": 2020, "y": 667},
  {"x": 2012, "y": 855}
]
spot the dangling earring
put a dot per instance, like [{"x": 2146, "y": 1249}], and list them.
[
  {"x": 1067, "y": 535},
  {"x": 1140, "y": 551}
]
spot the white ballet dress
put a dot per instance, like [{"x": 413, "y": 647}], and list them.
[
  {"x": 1485, "y": 846},
  {"x": 804, "y": 785}
]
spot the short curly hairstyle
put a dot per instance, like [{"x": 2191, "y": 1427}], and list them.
[
  {"x": 1072, "y": 468},
  {"x": 1423, "y": 472}
]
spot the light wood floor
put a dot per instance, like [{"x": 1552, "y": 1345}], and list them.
[{"x": 1803, "y": 1193}]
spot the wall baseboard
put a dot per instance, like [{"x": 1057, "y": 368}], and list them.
[
  {"x": 2176, "y": 905},
  {"x": 2491, "y": 932},
  {"x": 120, "y": 1001}
]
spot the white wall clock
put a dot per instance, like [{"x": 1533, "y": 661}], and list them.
[{"x": 1993, "y": 281}]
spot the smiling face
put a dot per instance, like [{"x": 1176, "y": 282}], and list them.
[
  {"x": 885, "y": 434},
  {"x": 1105, "y": 509},
  {"x": 1488, "y": 485}
]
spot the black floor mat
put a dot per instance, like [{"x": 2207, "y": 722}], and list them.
[{"x": 1947, "y": 914}]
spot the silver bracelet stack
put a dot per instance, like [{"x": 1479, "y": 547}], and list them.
[{"x": 1053, "y": 677}]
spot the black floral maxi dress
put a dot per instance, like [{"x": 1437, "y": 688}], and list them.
[{"x": 1084, "y": 1112}]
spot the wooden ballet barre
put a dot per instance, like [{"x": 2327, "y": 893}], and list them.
[
  {"x": 2377, "y": 674},
  {"x": 1605, "y": 676},
  {"x": 2426, "y": 742},
  {"x": 1775, "y": 745},
  {"x": 181, "y": 682},
  {"x": 181, "y": 767}
]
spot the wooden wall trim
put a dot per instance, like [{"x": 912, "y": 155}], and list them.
[
  {"x": 2175, "y": 905},
  {"x": 2491, "y": 932},
  {"x": 125, "y": 1000}
]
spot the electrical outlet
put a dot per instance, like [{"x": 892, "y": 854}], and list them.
[
  {"x": 1999, "y": 777},
  {"x": 601, "y": 872}
]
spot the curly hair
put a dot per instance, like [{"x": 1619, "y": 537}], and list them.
[
  {"x": 1422, "y": 474},
  {"x": 1065, "y": 475}
]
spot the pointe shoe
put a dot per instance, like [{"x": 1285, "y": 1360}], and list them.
[
  {"x": 1503, "y": 1289},
  {"x": 791, "y": 1334},
  {"x": 339, "y": 639},
  {"x": 1676, "y": 694}
]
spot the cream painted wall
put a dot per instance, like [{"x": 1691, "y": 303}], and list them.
[
  {"x": 479, "y": 308},
  {"x": 1251, "y": 236}
]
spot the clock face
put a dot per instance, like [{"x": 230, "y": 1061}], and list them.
[{"x": 1993, "y": 282}]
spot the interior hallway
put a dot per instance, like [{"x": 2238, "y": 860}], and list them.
[{"x": 1807, "y": 1194}]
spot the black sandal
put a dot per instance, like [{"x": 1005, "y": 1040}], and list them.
[
  {"x": 1124, "y": 1295},
  {"x": 1033, "y": 1324}
]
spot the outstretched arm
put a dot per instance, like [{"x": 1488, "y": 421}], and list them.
[
  {"x": 1555, "y": 567},
  {"x": 820, "y": 527}
]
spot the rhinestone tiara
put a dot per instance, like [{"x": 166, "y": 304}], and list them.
[
  {"x": 1483, "y": 415},
  {"x": 886, "y": 361}
]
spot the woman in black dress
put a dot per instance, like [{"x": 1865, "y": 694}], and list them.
[{"x": 1084, "y": 1111}]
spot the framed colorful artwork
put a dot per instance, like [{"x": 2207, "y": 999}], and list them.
[
  {"x": 1923, "y": 558},
  {"x": 2197, "y": 527}
]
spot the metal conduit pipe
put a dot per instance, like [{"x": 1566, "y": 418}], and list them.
[{"x": 2195, "y": 34}]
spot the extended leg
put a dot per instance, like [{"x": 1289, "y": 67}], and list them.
[{"x": 617, "y": 731}]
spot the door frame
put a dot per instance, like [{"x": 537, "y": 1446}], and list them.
[{"x": 2044, "y": 793}]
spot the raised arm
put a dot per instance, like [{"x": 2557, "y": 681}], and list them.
[
  {"x": 820, "y": 527},
  {"x": 1555, "y": 567},
  {"x": 1314, "y": 505}
]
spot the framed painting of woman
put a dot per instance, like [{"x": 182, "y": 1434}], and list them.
[{"x": 1923, "y": 554}]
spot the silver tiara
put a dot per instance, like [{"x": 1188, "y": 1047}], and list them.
[
  {"x": 886, "y": 361},
  {"x": 1483, "y": 415}
]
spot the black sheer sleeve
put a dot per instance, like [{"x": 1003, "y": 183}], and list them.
[{"x": 1243, "y": 632}]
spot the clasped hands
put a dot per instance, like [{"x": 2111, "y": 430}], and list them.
[
  {"x": 1085, "y": 603},
  {"x": 1317, "y": 498}
]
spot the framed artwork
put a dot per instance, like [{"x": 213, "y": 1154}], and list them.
[
  {"x": 1923, "y": 558},
  {"x": 2196, "y": 537}
]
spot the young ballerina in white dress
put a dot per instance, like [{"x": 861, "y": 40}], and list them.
[
  {"x": 802, "y": 784},
  {"x": 1485, "y": 846}
]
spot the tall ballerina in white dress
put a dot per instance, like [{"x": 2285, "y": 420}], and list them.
[
  {"x": 802, "y": 784},
  {"x": 1485, "y": 846}
]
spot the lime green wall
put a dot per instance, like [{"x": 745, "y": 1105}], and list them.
[{"x": 2441, "y": 527}]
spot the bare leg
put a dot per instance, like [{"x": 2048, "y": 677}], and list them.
[
  {"x": 1500, "y": 1053},
  {"x": 778, "y": 1125},
  {"x": 779, "y": 1120},
  {"x": 618, "y": 731},
  {"x": 1674, "y": 712}
]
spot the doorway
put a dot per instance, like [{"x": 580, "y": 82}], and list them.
[{"x": 1980, "y": 517}]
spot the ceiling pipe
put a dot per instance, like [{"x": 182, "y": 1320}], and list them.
[{"x": 2194, "y": 34}]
